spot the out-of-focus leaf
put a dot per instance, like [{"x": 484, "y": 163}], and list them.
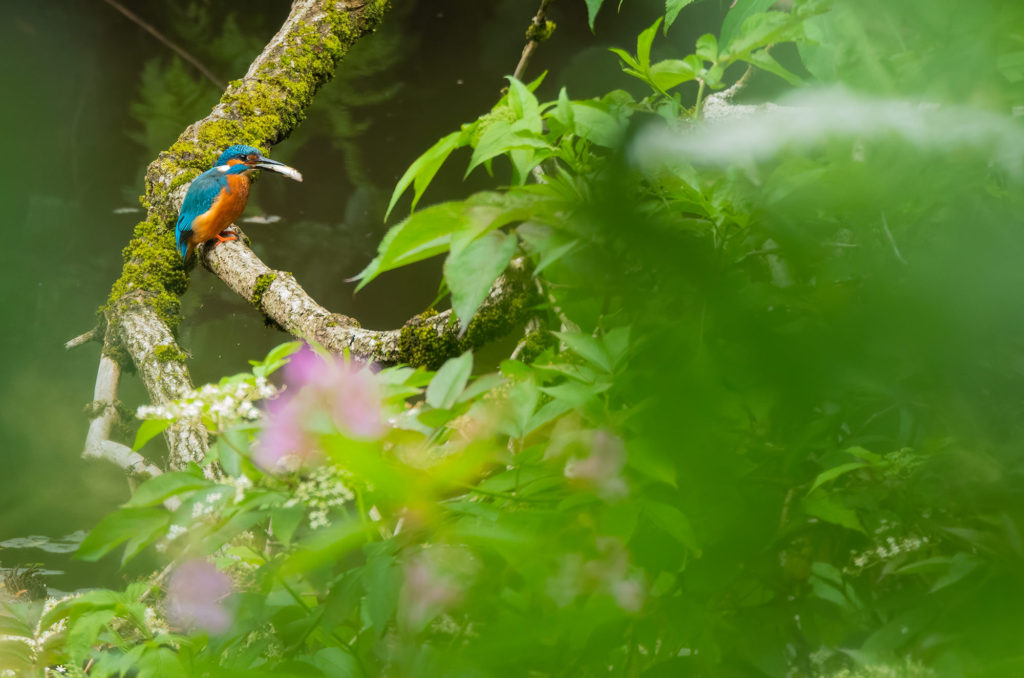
[
  {"x": 118, "y": 528},
  {"x": 157, "y": 490},
  {"x": 674, "y": 522},
  {"x": 766, "y": 62},
  {"x": 587, "y": 347},
  {"x": 833, "y": 473},
  {"x": 826, "y": 507},
  {"x": 738, "y": 13},
  {"x": 383, "y": 581},
  {"x": 284, "y": 520},
  {"x": 961, "y": 565},
  {"x": 449, "y": 381},
  {"x": 760, "y": 30}
]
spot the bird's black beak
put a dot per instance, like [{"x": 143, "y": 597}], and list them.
[{"x": 279, "y": 167}]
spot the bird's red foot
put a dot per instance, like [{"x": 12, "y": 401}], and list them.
[{"x": 224, "y": 238}]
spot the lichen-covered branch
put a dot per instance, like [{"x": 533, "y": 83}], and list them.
[
  {"x": 261, "y": 109},
  {"x": 98, "y": 444},
  {"x": 428, "y": 339},
  {"x": 161, "y": 364}
]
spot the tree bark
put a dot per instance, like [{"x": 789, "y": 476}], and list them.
[{"x": 426, "y": 339}]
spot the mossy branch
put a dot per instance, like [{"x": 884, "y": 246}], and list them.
[
  {"x": 428, "y": 339},
  {"x": 260, "y": 109}
]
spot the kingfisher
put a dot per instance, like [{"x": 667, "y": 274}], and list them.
[{"x": 217, "y": 196}]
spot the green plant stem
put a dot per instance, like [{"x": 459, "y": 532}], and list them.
[{"x": 698, "y": 113}]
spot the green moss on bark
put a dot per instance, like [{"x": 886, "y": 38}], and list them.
[
  {"x": 419, "y": 343},
  {"x": 262, "y": 283},
  {"x": 167, "y": 353}
]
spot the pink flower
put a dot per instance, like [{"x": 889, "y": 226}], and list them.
[
  {"x": 602, "y": 469},
  {"x": 317, "y": 386},
  {"x": 195, "y": 597}
]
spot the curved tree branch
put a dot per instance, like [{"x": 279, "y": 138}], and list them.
[{"x": 426, "y": 339}]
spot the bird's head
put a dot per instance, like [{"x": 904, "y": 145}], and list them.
[{"x": 253, "y": 160}]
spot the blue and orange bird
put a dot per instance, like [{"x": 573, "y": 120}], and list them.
[{"x": 217, "y": 196}]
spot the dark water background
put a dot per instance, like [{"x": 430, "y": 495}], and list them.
[{"x": 89, "y": 99}]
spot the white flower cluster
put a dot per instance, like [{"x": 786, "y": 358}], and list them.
[
  {"x": 889, "y": 548},
  {"x": 323, "y": 489},
  {"x": 213, "y": 502},
  {"x": 155, "y": 623},
  {"x": 222, "y": 403}
]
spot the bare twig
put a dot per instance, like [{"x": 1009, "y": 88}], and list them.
[
  {"x": 540, "y": 30},
  {"x": 131, "y": 16},
  {"x": 97, "y": 441},
  {"x": 892, "y": 241},
  {"x": 95, "y": 334}
]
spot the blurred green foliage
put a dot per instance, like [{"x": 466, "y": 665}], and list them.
[{"x": 766, "y": 423}]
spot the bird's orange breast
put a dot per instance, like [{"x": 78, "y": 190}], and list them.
[{"x": 225, "y": 209}]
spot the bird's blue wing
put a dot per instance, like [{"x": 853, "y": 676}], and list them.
[{"x": 198, "y": 200}]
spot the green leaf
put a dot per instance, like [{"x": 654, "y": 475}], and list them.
[
  {"x": 672, "y": 72},
  {"x": 826, "y": 507},
  {"x": 626, "y": 57},
  {"x": 383, "y": 581},
  {"x": 118, "y": 528},
  {"x": 672, "y": 10},
  {"x": 157, "y": 490},
  {"x": 227, "y": 446},
  {"x": 423, "y": 169},
  {"x": 592, "y": 8},
  {"x": 481, "y": 385},
  {"x": 523, "y": 103},
  {"x": 616, "y": 343},
  {"x": 673, "y": 521},
  {"x": 519, "y": 406},
  {"x": 766, "y": 62},
  {"x": 597, "y": 125},
  {"x": 447, "y": 384},
  {"x": 707, "y": 47},
  {"x": 472, "y": 270},
  {"x": 577, "y": 395},
  {"x": 760, "y": 30},
  {"x": 425, "y": 234},
  {"x": 587, "y": 347},
  {"x": 149, "y": 429},
  {"x": 284, "y": 520},
  {"x": 741, "y": 9},
  {"x": 144, "y": 538},
  {"x": 276, "y": 359},
  {"x": 337, "y": 663},
  {"x": 501, "y": 138},
  {"x": 961, "y": 565},
  {"x": 833, "y": 473},
  {"x": 643, "y": 45}
]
